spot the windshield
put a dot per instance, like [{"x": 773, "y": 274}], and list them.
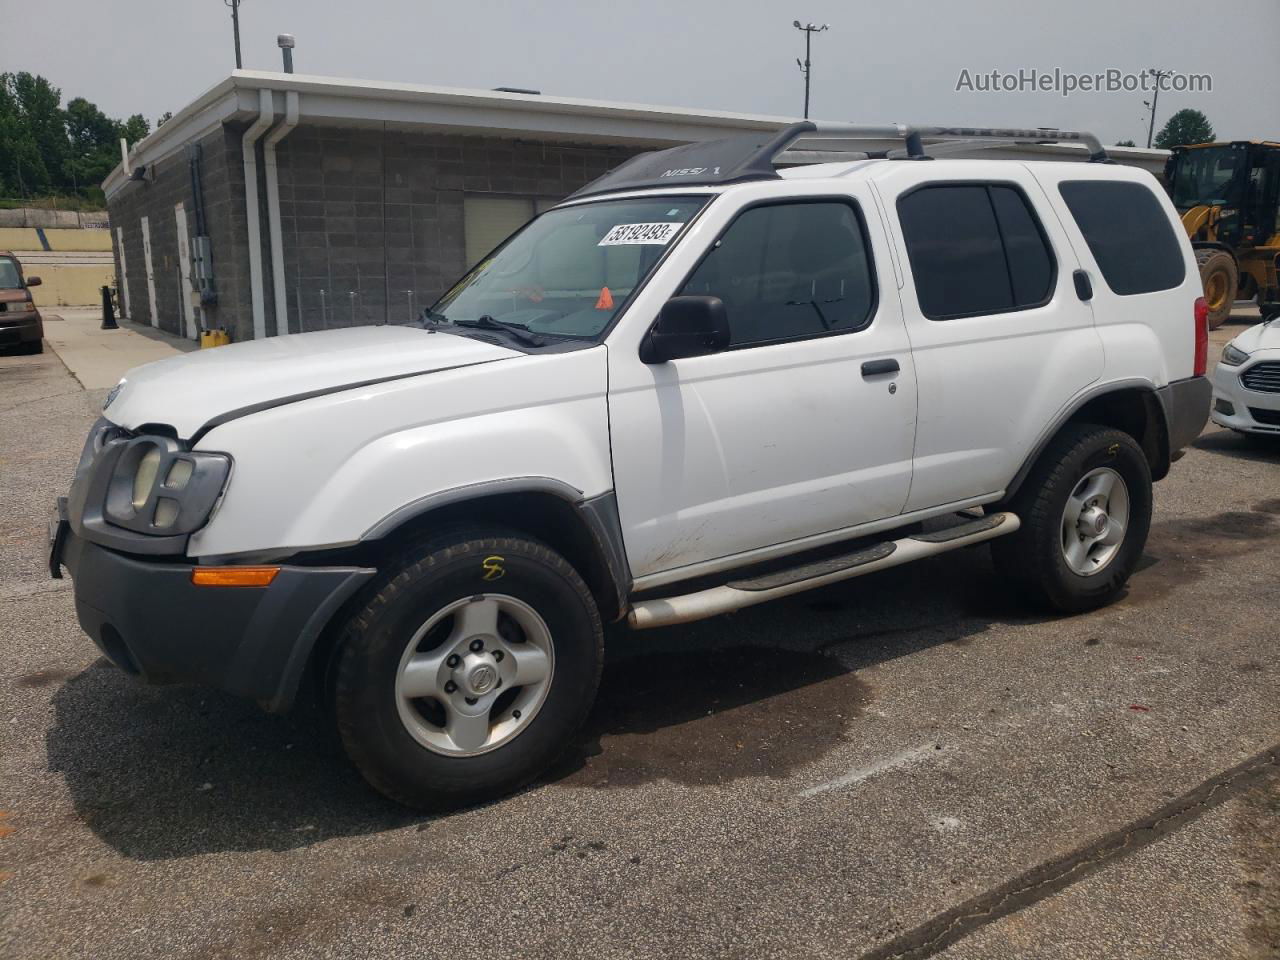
[
  {"x": 568, "y": 272},
  {"x": 1207, "y": 175},
  {"x": 10, "y": 279}
]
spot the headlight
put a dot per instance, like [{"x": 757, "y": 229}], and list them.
[
  {"x": 22, "y": 306},
  {"x": 1233, "y": 357},
  {"x": 159, "y": 487},
  {"x": 145, "y": 477}
]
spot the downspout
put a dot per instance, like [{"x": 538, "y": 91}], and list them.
[
  {"x": 273, "y": 208},
  {"x": 266, "y": 114}
]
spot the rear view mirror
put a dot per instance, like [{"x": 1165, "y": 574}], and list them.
[
  {"x": 686, "y": 327},
  {"x": 33, "y": 281}
]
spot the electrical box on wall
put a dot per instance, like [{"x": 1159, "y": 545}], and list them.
[{"x": 202, "y": 270}]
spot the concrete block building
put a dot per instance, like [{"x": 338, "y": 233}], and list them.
[{"x": 279, "y": 203}]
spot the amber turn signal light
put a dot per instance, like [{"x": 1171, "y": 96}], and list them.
[{"x": 233, "y": 576}]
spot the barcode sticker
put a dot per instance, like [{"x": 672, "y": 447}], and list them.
[{"x": 631, "y": 233}]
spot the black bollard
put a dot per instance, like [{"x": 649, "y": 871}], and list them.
[{"x": 108, "y": 311}]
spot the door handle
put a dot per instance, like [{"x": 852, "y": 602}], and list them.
[
  {"x": 875, "y": 368},
  {"x": 1084, "y": 289}
]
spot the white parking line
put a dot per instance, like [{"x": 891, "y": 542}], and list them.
[{"x": 914, "y": 755}]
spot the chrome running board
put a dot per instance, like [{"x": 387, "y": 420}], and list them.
[{"x": 737, "y": 594}]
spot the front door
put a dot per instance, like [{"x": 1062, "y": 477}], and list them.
[{"x": 802, "y": 427}]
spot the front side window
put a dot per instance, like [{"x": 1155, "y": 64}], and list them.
[
  {"x": 1128, "y": 233},
  {"x": 570, "y": 271},
  {"x": 975, "y": 249},
  {"x": 790, "y": 271},
  {"x": 10, "y": 277}
]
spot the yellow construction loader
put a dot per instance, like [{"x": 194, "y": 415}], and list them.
[{"x": 1229, "y": 196}]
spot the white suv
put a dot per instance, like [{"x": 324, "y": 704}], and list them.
[{"x": 701, "y": 383}]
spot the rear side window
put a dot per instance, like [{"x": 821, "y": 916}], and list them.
[
  {"x": 1128, "y": 233},
  {"x": 975, "y": 249}
]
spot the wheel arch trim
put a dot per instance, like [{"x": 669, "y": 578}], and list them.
[
  {"x": 598, "y": 514},
  {"x": 1064, "y": 416}
]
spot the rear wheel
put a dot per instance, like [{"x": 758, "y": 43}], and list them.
[
  {"x": 1085, "y": 512},
  {"x": 469, "y": 671},
  {"x": 1221, "y": 279}
]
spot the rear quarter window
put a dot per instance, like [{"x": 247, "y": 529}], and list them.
[{"x": 1128, "y": 233}]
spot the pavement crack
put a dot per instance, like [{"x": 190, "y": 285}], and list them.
[{"x": 1042, "y": 881}]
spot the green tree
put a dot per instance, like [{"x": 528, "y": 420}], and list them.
[
  {"x": 1125, "y": 143},
  {"x": 135, "y": 128},
  {"x": 1185, "y": 126},
  {"x": 40, "y": 108},
  {"x": 164, "y": 118}
]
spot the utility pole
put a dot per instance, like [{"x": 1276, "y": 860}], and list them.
[
  {"x": 1159, "y": 75},
  {"x": 235, "y": 28},
  {"x": 809, "y": 30}
]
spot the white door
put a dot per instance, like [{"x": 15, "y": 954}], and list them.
[
  {"x": 1000, "y": 337},
  {"x": 151, "y": 274},
  {"x": 785, "y": 435},
  {"x": 184, "y": 271},
  {"x": 124, "y": 274}
]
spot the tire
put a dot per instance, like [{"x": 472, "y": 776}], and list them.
[
  {"x": 1220, "y": 278},
  {"x": 1082, "y": 458},
  {"x": 424, "y": 754}
]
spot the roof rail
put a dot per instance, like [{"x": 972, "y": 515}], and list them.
[
  {"x": 913, "y": 137},
  {"x": 751, "y": 157}
]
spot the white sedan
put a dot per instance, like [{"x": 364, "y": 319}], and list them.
[{"x": 1246, "y": 384}]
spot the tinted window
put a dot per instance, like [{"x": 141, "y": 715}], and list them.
[
  {"x": 974, "y": 249},
  {"x": 790, "y": 270},
  {"x": 1030, "y": 265},
  {"x": 1129, "y": 234}
]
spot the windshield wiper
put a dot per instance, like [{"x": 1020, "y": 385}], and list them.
[{"x": 517, "y": 330}]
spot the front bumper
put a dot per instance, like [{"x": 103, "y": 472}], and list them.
[
  {"x": 149, "y": 619},
  {"x": 1237, "y": 407},
  {"x": 29, "y": 329}
]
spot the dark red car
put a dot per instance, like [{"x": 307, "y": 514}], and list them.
[{"x": 20, "y": 323}]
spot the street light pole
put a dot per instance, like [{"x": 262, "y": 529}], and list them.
[
  {"x": 235, "y": 28},
  {"x": 1155, "y": 99},
  {"x": 809, "y": 30}
]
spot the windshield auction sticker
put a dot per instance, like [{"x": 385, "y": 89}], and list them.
[{"x": 630, "y": 233}]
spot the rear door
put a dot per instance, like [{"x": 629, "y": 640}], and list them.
[{"x": 1001, "y": 340}]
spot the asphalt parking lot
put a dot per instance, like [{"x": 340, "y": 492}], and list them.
[{"x": 905, "y": 765}]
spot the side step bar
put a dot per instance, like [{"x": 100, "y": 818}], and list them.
[{"x": 737, "y": 594}]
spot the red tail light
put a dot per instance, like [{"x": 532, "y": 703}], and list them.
[{"x": 1202, "y": 337}]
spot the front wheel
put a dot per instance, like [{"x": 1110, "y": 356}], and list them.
[
  {"x": 469, "y": 671},
  {"x": 1085, "y": 512}
]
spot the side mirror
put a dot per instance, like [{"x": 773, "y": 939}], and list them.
[
  {"x": 33, "y": 281},
  {"x": 686, "y": 327}
]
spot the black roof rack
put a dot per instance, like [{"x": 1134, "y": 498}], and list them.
[{"x": 751, "y": 157}]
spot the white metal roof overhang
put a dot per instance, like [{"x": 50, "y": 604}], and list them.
[{"x": 333, "y": 101}]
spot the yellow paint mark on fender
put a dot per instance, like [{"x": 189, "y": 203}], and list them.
[{"x": 494, "y": 568}]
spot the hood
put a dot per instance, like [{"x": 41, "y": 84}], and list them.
[
  {"x": 1265, "y": 336},
  {"x": 188, "y": 391}
]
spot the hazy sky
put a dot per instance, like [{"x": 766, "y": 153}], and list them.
[{"x": 897, "y": 61}]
